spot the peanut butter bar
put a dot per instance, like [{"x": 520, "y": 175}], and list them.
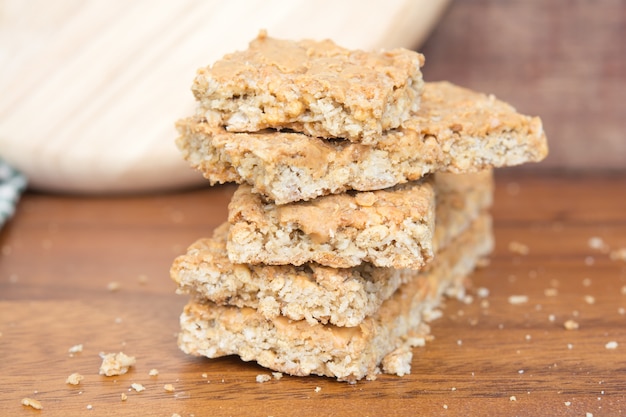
[
  {"x": 317, "y": 88},
  {"x": 311, "y": 292},
  {"x": 455, "y": 130},
  {"x": 346, "y": 353},
  {"x": 388, "y": 228}
]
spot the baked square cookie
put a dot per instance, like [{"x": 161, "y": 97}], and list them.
[
  {"x": 299, "y": 347},
  {"x": 311, "y": 292},
  {"x": 456, "y": 130},
  {"x": 388, "y": 228},
  {"x": 314, "y": 87}
]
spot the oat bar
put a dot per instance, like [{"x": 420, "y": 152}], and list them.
[
  {"x": 346, "y": 353},
  {"x": 456, "y": 130},
  {"x": 313, "y": 87},
  {"x": 388, "y": 228}
]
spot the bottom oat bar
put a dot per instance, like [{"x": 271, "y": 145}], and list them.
[{"x": 346, "y": 353}]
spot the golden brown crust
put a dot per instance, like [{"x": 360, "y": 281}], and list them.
[
  {"x": 317, "y": 88},
  {"x": 388, "y": 228}
]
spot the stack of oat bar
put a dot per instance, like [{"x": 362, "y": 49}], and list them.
[{"x": 363, "y": 200}]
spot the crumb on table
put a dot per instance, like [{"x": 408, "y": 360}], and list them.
[{"x": 116, "y": 363}]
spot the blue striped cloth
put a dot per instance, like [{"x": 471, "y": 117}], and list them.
[{"x": 12, "y": 184}]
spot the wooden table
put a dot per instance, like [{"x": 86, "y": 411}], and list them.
[{"x": 61, "y": 254}]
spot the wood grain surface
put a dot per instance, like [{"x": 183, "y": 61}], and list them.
[{"x": 60, "y": 254}]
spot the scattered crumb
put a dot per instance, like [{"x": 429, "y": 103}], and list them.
[
  {"x": 318, "y": 389},
  {"x": 570, "y": 325},
  {"x": 521, "y": 371},
  {"x": 263, "y": 378},
  {"x": 113, "y": 286},
  {"x": 137, "y": 386},
  {"x": 432, "y": 315},
  {"x": 124, "y": 396},
  {"x": 518, "y": 299},
  {"x": 32, "y": 403},
  {"x": 484, "y": 304},
  {"x": 75, "y": 349},
  {"x": 74, "y": 379},
  {"x": 153, "y": 372},
  {"x": 587, "y": 282},
  {"x": 518, "y": 248},
  {"x": 512, "y": 398},
  {"x": 176, "y": 415},
  {"x": 618, "y": 254},
  {"x": 115, "y": 363},
  {"x": 570, "y": 346},
  {"x": 277, "y": 375},
  {"x": 416, "y": 341},
  {"x": 550, "y": 292},
  {"x": 597, "y": 243},
  {"x": 528, "y": 337},
  {"x": 204, "y": 375},
  {"x": 482, "y": 292},
  {"x": 468, "y": 299},
  {"x": 445, "y": 406},
  {"x": 89, "y": 407},
  {"x": 168, "y": 387},
  {"x": 611, "y": 345},
  {"x": 568, "y": 403},
  {"x": 621, "y": 311},
  {"x": 398, "y": 362},
  {"x": 588, "y": 414},
  {"x": 590, "y": 299}
]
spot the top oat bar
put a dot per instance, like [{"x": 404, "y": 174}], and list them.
[
  {"x": 314, "y": 87},
  {"x": 456, "y": 130}
]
